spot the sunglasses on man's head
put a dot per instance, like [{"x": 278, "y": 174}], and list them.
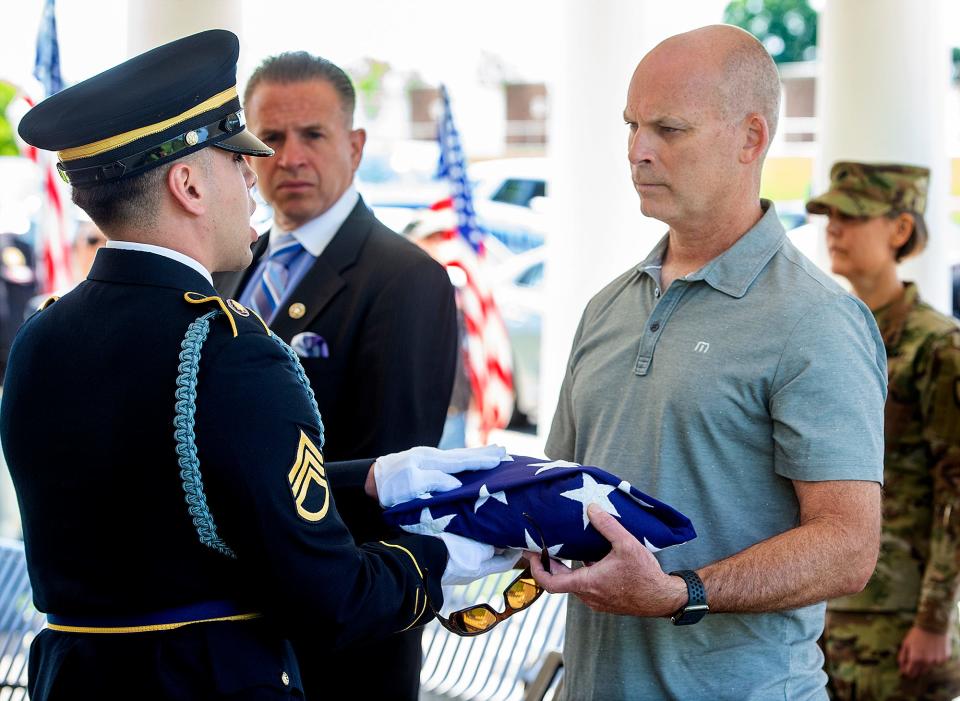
[{"x": 517, "y": 596}]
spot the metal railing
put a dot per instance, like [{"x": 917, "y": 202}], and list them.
[
  {"x": 19, "y": 621},
  {"x": 495, "y": 666}
]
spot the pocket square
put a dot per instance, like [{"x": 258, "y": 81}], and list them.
[{"x": 310, "y": 345}]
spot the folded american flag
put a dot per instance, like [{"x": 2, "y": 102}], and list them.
[{"x": 508, "y": 505}]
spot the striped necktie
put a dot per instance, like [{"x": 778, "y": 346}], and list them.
[{"x": 266, "y": 297}]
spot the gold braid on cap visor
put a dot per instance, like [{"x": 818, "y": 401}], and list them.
[{"x": 228, "y": 124}]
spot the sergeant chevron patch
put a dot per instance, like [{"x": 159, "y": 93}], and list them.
[{"x": 308, "y": 481}]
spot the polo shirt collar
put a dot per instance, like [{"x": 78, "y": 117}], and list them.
[
  {"x": 734, "y": 270},
  {"x": 654, "y": 261}
]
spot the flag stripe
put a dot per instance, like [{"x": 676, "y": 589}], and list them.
[
  {"x": 52, "y": 245},
  {"x": 488, "y": 353}
]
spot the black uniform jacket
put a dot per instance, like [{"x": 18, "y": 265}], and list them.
[
  {"x": 387, "y": 312},
  {"x": 87, "y": 425}
]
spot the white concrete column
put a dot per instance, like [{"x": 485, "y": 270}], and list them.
[
  {"x": 883, "y": 86},
  {"x": 597, "y": 229},
  {"x": 151, "y": 23}
]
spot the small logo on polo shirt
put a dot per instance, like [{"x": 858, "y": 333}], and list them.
[{"x": 701, "y": 347}]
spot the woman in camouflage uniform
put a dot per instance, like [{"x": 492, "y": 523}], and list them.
[{"x": 897, "y": 639}]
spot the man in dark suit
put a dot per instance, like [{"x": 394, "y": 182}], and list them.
[{"x": 372, "y": 316}]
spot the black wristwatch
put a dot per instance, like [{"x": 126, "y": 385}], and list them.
[{"x": 696, "y": 607}]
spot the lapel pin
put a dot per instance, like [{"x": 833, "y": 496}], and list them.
[
  {"x": 237, "y": 307},
  {"x": 297, "y": 310}
]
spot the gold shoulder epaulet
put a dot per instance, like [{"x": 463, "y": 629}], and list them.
[
  {"x": 50, "y": 300},
  {"x": 228, "y": 307}
]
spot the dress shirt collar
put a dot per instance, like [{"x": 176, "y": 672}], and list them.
[
  {"x": 161, "y": 251},
  {"x": 319, "y": 231}
]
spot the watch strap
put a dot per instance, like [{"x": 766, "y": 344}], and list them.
[{"x": 696, "y": 606}]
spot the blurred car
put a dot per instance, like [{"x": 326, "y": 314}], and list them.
[
  {"x": 510, "y": 198},
  {"x": 397, "y": 179}
]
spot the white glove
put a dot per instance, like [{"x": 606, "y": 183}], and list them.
[
  {"x": 468, "y": 560},
  {"x": 412, "y": 473}
]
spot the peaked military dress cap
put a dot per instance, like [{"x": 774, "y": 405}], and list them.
[
  {"x": 154, "y": 108},
  {"x": 873, "y": 189}
]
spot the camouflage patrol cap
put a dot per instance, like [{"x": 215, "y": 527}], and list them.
[{"x": 873, "y": 189}]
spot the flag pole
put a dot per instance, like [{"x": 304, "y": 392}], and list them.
[{"x": 52, "y": 244}]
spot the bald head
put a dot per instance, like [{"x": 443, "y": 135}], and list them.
[
  {"x": 742, "y": 75},
  {"x": 702, "y": 108}
]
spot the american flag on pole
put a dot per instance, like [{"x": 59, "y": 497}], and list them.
[
  {"x": 52, "y": 244},
  {"x": 488, "y": 355},
  {"x": 453, "y": 167},
  {"x": 46, "y": 64}
]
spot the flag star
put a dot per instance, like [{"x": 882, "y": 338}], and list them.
[
  {"x": 625, "y": 488},
  {"x": 592, "y": 493},
  {"x": 650, "y": 546},
  {"x": 544, "y": 466},
  {"x": 485, "y": 495},
  {"x": 535, "y": 547},
  {"x": 429, "y": 525}
]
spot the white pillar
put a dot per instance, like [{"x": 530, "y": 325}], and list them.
[
  {"x": 883, "y": 87},
  {"x": 151, "y": 23},
  {"x": 597, "y": 229}
]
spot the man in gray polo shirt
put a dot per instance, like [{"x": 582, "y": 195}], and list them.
[{"x": 728, "y": 376}]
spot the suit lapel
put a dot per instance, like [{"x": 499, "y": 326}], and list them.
[{"x": 324, "y": 280}]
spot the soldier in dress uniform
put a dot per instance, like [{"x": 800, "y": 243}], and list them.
[
  {"x": 179, "y": 520},
  {"x": 897, "y": 639}
]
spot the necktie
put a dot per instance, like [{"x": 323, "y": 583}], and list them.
[{"x": 266, "y": 297}]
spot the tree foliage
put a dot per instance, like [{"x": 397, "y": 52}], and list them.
[
  {"x": 368, "y": 81},
  {"x": 787, "y": 28},
  {"x": 8, "y": 145}
]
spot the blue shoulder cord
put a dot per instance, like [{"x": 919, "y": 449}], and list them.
[{"x": 183, "y": 422}]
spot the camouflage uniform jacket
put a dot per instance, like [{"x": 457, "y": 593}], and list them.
[{"x": 919, "y": 566}]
